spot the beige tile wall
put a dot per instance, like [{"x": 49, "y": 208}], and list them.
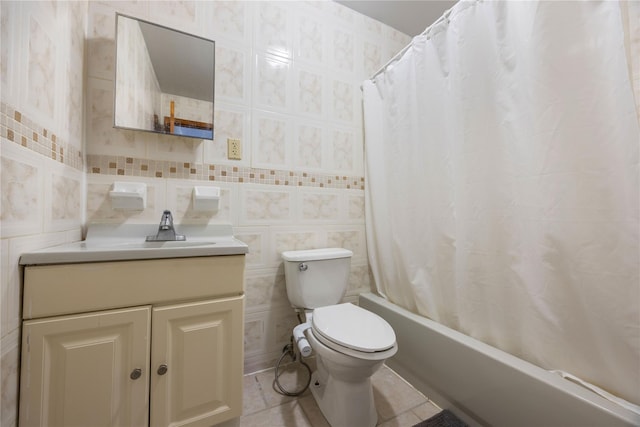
[{"x": 41, "y": 170}]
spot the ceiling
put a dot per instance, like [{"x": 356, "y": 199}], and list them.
[{"x": 411, "y": 17}]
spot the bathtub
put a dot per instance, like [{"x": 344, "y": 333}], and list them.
[{"x": 485, "y": 386}]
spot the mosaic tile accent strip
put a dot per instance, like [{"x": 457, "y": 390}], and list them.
[
  {"x": 130, "y": 166},
  {"x": 18, "y": 128}
]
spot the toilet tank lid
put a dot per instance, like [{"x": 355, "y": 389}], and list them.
[{"x": 316, "y": 254}]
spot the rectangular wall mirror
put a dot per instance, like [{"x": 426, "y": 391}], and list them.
[{"x": 164, "y": 80}]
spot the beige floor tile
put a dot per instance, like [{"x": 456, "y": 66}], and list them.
[
  {"x": 406, "y": 419},
  {"x": 393, "y": 395},
  {"x": 313, "y": 412},
  {"x": 398, "y": 404},
  {"x": 289, "y": 414},
  {"x": 293, "y": 377},
  {"x": 426, "y": 411},
  {"x": 252, "y": 396}
]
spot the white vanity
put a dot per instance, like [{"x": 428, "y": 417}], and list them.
[{"x": 119, "y": 332}]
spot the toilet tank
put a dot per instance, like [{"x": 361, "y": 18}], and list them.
[{"x": 316, "y": 277}]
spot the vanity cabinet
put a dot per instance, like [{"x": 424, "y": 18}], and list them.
[{"x": 133, "y": 343}]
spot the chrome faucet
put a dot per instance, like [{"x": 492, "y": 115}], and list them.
[{"x": 166, "y": 231}]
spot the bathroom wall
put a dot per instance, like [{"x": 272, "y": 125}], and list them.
[
  {"x": 41, "y": 137},
  {"x": 288, "y": 78}
]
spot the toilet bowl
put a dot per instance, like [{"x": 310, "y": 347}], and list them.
[
  {"x": 349, "y": 342},
  {"x": 341, "y": 385}
]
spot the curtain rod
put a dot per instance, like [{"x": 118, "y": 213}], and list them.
[{"x": 404, "y": 49}]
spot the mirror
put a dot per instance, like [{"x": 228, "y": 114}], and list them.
[{"x": 164, "y": 80}]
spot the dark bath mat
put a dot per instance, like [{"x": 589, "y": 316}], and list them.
[{"x": 444, "y": 418}]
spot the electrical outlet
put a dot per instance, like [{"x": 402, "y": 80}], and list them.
[{"x": 234, "y": 149}]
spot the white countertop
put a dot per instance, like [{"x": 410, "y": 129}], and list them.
[{"x": 123, "y": 242}]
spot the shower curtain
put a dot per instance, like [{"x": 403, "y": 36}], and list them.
[{"x": 502, "y": 184}]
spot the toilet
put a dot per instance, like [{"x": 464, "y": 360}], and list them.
[{"x": 350, "y": 343}]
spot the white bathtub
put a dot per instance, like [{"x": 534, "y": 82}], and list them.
[{"x": 485, "y": 386}]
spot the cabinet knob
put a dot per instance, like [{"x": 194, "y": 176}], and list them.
[
  {"x": 162, "y": 369},
  {"x": 135, "y": 374}
]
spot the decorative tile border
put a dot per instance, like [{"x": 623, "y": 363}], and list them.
[
  {"x": 131, "y": 166},
  {"x": 18, "y": 128}
]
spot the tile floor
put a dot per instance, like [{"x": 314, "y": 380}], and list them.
[{"x": 398, "y": 404}]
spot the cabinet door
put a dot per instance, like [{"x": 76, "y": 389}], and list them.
[
  {"x": 201, "y": 346},
  {"x": 76, "y": 370}
]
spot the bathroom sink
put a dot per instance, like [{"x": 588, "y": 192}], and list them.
[{"x": 114, "y": 242}]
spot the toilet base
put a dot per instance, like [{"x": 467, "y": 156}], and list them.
[{"x": 343, "y": 403}]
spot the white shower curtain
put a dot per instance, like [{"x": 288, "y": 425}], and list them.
[{"x": 502, "y": 184}]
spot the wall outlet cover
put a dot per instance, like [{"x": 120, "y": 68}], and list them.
[{"x": 234, "y": 149}]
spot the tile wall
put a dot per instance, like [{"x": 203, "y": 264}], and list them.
[
  {"x": 41, "y": 145},
  {"x": 287, "y": 85}
]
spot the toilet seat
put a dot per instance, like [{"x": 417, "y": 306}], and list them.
[{"x": 355, "y": 331}]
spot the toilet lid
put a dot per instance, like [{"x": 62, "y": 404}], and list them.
[{"x": 353, "y": 327}]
